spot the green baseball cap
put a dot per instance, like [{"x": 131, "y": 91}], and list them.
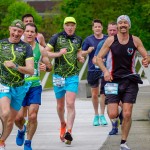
[
  {"x": 18, "y": 23},
  {"x": 69, "y": 19}
]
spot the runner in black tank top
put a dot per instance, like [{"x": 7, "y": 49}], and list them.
[
  {"x": 121, "y": 73},
  {"x": 122, "y": 58}
]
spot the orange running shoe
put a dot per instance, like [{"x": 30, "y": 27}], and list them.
[{"x": 62, "y": 133}]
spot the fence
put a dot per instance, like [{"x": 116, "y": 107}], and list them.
[{"x": 142, "y": 70}]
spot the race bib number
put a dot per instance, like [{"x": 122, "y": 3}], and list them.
[
  {"x": 4, "y": 89},
  {"x": 58, "y": 81},
  {"x": 111, "y": 88},
  {"x": 34, "y": 75}
]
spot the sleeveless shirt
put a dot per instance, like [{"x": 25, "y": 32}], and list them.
[{"x": 121, "y": 59}]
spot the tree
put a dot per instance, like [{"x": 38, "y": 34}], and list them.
[
  {"x": 86, "y": 10},
  {"x": 3, "y": 7},
  {"x": 16, "y": 11}
]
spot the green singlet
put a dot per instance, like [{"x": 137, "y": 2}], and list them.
[{"x": 35, "y": 79}]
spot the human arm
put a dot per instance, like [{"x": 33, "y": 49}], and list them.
[
  {"x": 55, "y": 54},
  {"x": 138, "y": 43},
  {"x": 80, "y": 57},
  {"x": 88, "y": 51},
  {"x": 99, "y": 59},
  {"x": 41, "y": 39},
  {"x": 50, "y": 47},
  {"x": 27, "y": 69},
  {"x": 45, "y": 60},
  {"x": 99, "y": 46}
]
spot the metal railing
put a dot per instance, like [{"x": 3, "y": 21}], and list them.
[{"x": 138, "y": 61}]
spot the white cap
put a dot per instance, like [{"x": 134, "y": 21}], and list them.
[{"x": 124, "y": 17}]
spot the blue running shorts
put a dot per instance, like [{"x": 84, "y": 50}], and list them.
[
  {"x": 16, "y": 95},
  {"x": 70, "y": 84},
  {"x": 33, "y": 96}
]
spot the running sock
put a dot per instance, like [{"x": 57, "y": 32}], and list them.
[
  {"x": 122, "y": 141},
  {"x": 22, "y": 130}
]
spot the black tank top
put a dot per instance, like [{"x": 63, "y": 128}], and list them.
[{"x": 122, "y": 58}]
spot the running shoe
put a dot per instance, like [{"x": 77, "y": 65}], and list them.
[
  {"x": 27, "y": 145},
  {"x": 124, "y": 146},
  {"x": 114, "y": 131},
  {"x": 62, "y": 133},
  {"x": 96, "y": 121},
  {"x": 102, "y": 120},
  {"x": 115, "y": 126},
  {"x": 68, "y": 138},
  {"x": 2, "y": 145},
  {"x": 2, "y": 148},
  {"x": 20, "y": 137}
]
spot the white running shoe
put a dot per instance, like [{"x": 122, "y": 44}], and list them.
[
  {"x": 2, "y": 147},
  {"x": 124, "y": 146}
]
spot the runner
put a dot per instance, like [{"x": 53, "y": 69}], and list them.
[
  {"x": 67, "y": 51},
  {"x": 16, "y": 60},
  {"x": 33, "y": 96},
  {"x": 121, "y": 75},
  {"x": 94, "y": 73}
]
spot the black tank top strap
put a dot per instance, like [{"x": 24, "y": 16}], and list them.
[
  {"x": 130, "y": 37},
  {"x": 115, "y": 38}
]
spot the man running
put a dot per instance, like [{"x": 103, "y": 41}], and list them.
[
  {"x": 33, "y": 96},
  {"x": 67, "y": 51},
  {"x": 94, "y": 73},
  {"x": 121, "y": 73},
  {"x": 16, "y": 59},
  {"x": 111, "y": 30},
  {"x": 28, "y": 18}
]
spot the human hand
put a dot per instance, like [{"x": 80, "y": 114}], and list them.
[
  {"x": 81, "y": 59},
  {"x": 145, "y": 61},
  {"x": 108, "y": 76},
  {"x": 10, "y": 64},
  {"x": 49, "y": 67},
  {"x": 63, "y": 51},
  {"x": 42, "y": 67}
]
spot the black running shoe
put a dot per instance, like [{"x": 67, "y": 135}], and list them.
[{"x": 68, "y": 138}]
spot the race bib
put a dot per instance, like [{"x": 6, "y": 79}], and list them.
[
  {"x": 34, "y": 75},
  {"x": 58, "y": 81},
  {"x": 111, "y": 88},
  {"x": 4, "y": 89}
]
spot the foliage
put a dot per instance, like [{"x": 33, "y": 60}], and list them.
[
  {"x": 3, "y": 7},
  {"x": 16, "y": 11},
  {"x": 86, "y": 10}
]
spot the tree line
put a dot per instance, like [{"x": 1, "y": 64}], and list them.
[{"x": 84, "y": 11}]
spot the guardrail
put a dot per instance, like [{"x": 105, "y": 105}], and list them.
[{"x": 138, "y": 61}]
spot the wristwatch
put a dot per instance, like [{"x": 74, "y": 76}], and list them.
[{"x": 16, "y": 68}]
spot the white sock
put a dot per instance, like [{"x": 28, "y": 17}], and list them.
[{"x": 21, "y": 129}]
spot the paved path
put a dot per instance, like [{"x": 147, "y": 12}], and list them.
[
  {"x": 139, "y": 136},
  {"x": 86, "y": 136}
]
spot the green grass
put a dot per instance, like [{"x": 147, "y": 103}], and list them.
[{"x": 49, "y": 83}]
